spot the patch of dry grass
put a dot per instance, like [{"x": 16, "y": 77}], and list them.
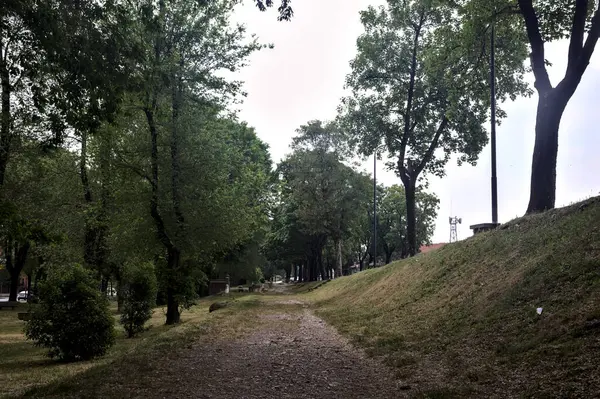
[
  {"x": 26, "y": 372},
  {"x": 23, "y": 367},
  {"x": 463, "y": 318}
]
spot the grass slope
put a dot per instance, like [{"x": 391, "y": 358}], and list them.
[{"x": 461, "y": 320}]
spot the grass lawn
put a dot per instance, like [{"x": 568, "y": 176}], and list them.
[{"x": 25, "y": 370}]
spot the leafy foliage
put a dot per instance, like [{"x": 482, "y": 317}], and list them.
[
  {"x": 72, "y": 319},
  {"x": 420, "y": 90},
  {"x": 391, "y": 218},
  {"x": 138, "y": 290}
]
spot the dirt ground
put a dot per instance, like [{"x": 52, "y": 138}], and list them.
[{"x": 292, "y": 354}]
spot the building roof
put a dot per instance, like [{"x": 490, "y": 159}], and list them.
[{"x": 431, "y": 247}]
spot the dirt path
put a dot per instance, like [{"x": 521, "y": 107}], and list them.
[{"x": 291, "y": 355}]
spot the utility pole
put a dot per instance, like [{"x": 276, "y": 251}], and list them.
[
  {"x": 493, "y": 131},
  {"x": 375, "y": 209}
]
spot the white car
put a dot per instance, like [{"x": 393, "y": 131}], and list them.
[{"x": 22, "y": 296}]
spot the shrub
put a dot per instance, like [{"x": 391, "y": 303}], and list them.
[
  {"x": 138, "y": 290},
  {"x": 72, "y": 318}
]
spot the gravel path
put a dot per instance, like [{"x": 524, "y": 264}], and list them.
[{"x": 292, "y": 355}]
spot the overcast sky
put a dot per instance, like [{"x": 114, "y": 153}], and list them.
[{"x": 302, "y": 79}]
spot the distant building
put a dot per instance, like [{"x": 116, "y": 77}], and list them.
[{"x": 431, "y": 247}]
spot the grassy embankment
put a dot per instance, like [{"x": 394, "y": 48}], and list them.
[{"x": 462, "y": 320}]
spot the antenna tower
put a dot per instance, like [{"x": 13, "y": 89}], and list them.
[{"x": 454, "y": 221}]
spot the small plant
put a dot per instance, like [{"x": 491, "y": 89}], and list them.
[
  {"x": 72, "y": 318},
  {"x": 138, "y": 291}
]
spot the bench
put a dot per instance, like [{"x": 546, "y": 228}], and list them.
[{"x": 12, "y": 305}]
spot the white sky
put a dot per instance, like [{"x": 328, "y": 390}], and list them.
[{"x": 302, "y": 79}]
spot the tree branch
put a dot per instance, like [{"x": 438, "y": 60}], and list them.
[
  {"x": 134, "y": 169},
  {"x": 590, "y": 42},
  {"x": 433, "y": 145},
  {"x": 411, "y": 89},
  {"x": 577, "y": 31},
  {"x": 542, "y": 81}
]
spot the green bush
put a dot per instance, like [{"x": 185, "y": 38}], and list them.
[
  {"x": 72, "y": 318},
  {"x": 138, "y": 291}
]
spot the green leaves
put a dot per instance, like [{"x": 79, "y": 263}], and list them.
[
  {"x": 319, "y": 197},
  {"x": 420, "y": 83},
  {"x": 392, "y": 223}
]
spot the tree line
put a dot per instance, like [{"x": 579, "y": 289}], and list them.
[
  {"x": 322, "y": 213},
  {"x": 118, "y": 147}
]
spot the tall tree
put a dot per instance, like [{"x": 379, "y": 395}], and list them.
[
  {"x": 323, "y": 195},
  {"x": 330, "y": 191},
  {"x": 547, "y": 21},
  {"x": 187, "y": 42},
  {"x": 55, "y": 59},
  {"x": 535, "y": 23},
  {"x": 392, "y": 220},
  {"x": 422, "y": 90}
]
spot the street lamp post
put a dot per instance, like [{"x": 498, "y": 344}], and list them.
[
  {"x": 479, "y": 228},
  {"x": 375, "y": 209},
  {"x": 493, "y": 127}
]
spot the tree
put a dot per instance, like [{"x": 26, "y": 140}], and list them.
[
  {"x": 536, "y": 23},
  {"x": 545, "y": 22},
  {"x": 422, "y": 90},
  {"x": 320, "y": 198},
  {"x": 55, "y": 58},
  {"x": 391, "y": 226},
  {"x": 340, "y": 184},
  {"x": 185, "y": 42},
  {"x": 37, "y": 206}
]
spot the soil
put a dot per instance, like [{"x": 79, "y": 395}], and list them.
[{"x": 290, "y": 355}]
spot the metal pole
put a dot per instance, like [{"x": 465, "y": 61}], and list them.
[
  {"x": 375, "y": 209},
  {"x": 493, "y": 132}
]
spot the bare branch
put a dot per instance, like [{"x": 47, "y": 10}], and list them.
[
  {"x": 590, "y": 42},
  {"x": 411, "y": 88},
  {"x": 576, "y": 42},
  {"x": 542, "y": 81},
  {"x": 433, "y": 145}
]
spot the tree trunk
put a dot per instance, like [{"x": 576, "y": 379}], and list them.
[
  {"x": 388, "y": 257},
  {"x": 411, "y": 231},
  {"x": 338, "y": 261},
  {"x": 173, "y": 259},
  {"x": 5, "y": 133},
  {"x": 15, "y": 265},
  {"x": 119, "y": 297},
  {"x": 29, "y": 277},
  {"x": 89, "y": 240},
  {"x": 94, "y": 247},
  {"x": 543, "y": 169},
  {"x": 173, "y": 253},
  {"x": 104, "y": 284},
  {"x": 14, "y": 286}
]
